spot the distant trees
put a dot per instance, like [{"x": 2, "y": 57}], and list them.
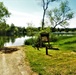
[
  {"x": 29, "y": 30},
  {"x": 14, "y": 30},
  {"x": 61, "y": 15},
  {"x": 8, "y": 30}
]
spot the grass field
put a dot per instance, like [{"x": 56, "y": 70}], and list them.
[
  {"x": 58, "y": 62},
  {"x": 67, "y": 43}
]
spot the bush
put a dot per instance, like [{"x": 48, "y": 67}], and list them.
[{"x": 30, "y": 41}]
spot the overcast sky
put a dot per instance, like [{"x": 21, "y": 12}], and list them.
[{"x": 30, "y": 11}]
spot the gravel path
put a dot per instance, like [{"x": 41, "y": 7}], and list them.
[{"x": 14, "y": 64}]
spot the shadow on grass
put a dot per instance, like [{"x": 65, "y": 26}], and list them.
[
  {"x": 8, "y": 50},
  {"x": 50, "y": 55},
  {"x": 55, "y": 48}
]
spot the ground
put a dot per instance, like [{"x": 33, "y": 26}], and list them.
[{"x": 13, "y": 63}]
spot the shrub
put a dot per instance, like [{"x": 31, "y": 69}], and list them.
[{"x": 30, "y": 41}]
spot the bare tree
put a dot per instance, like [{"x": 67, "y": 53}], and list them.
[{"x": 45, "y": 4}]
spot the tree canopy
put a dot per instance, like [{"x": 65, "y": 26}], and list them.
[
  {"x": 61, "y": 15},
  {"x": 4, "y": 13}
]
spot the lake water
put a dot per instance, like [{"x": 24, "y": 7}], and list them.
[{"x": 17, "y": 42}]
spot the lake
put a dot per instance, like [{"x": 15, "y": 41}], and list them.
[
  {"x": 12, "y": 41},
  {"x": 65, "y": 33},
  {"x": 19, "y": 40}
]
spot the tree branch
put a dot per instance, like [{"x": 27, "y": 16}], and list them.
[
  {"x": 60, "y": 22},
  {"x": 48, "y": 1},
  {"x": 43, "y": 4}
]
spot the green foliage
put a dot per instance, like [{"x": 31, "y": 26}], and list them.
[
  {"x": 3, "y": 12},
  {"x": 30, "y": 41},
  {"x": 30, "y": 31},
  {"x": 61, "y": 15},
  {"x": 2, "y": 41},
  {"x": 46, "y": 30},
  {"x": 6, "y": 29}
]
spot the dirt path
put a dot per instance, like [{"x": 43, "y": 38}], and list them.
[{"x": 14, "y": 64}]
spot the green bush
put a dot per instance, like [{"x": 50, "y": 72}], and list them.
[
  {"x": 28, "y": 41},
  {"x": 31, "y": 41}
]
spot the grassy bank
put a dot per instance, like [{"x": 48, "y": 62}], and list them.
[
  {"x": 67, "y": 43},
  {"x": 58, "y": 62}
]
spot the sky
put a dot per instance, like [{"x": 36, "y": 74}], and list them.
[{"x": 30, "y": 11}]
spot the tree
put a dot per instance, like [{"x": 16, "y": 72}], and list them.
[
  {"x": 4, "y": 13},
  {"x": 29, "y": 30},
  {"x": 61, "y": 15},
  {"x": 45, "y": 4},
  {"x": 2, "y": 27}
]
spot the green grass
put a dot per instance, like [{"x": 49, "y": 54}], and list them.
[
  {"x": 67, "y": 43},
  {"x": 58, "y": 62}
]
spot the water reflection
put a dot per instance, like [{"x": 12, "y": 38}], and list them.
[{"x": 12, "y": 40}]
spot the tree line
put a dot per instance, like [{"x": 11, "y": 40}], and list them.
[{"x": 11, "y": 30}]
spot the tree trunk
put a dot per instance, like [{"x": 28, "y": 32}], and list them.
[{"x": 43, "y": 22}]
